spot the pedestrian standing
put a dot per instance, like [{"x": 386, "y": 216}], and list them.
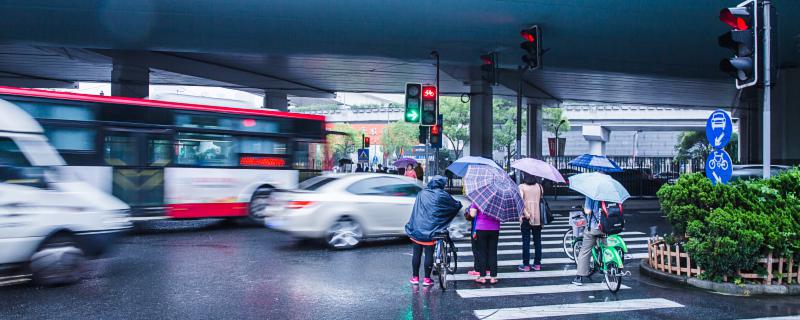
[
  {"x": 487, "y": 234},
  {"x": 420, "y": 173},
  {"x": 410, "y": 172},
  {"x": 359, "y": 168},
  {"x": 531, "y": 222}
]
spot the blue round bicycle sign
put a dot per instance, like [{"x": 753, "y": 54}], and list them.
[
  {"x": 719, "y": 129},
  {"x": 719, "y": 167}
]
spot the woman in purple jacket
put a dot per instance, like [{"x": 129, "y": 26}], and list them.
[{"x": 487, "y": 234}]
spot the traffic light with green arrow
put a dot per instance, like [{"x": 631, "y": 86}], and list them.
[{"x": 413, "y": 102}]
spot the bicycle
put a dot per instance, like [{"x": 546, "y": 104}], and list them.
[
  {"x": 576, "y": 222},
  {"x": 608, "y": 256},
  {"x": 445, "y": 258}
]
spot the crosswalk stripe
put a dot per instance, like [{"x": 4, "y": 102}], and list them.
[
  {"x": 506, "y": 263},
  {"x": 561, "y": 235},
  {"x": 545, "y": 250},
  {"x": 794, "y": 317},
  {"x": 461, "y": 244},
  {"x": 575, "y": 309},
  {"x": 523, "y": 275},
  {"x": 546, "y": 289}
]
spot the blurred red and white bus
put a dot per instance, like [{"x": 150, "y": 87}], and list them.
[{"x": 178, "y": 160}]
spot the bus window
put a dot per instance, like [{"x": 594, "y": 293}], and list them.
[
  {"x": 158, "y": 151},
  {"x": 253, "y": 145},
  {"x": 120, "y": 150},
  {"x": 309, "y": 155},
  {"x": 71, "y": 138},
  {"x": 208, "y": 150},
  {"x": 41, "y": 110}
]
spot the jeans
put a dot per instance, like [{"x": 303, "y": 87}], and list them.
[
  {"x": 590, "y": 237},
  {"x": 527, "y": 229},
  {"x": 487, "y": 251},
  {"x": 416, "y": 259}
]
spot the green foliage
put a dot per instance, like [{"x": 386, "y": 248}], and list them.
[
  {"x": 343, "y": 146},
  {"x": 400, "y": 135},
  {"x": 731, "y": 226},
  {"x": 505, "y": 128},
  {"x": 455, "y": 115},
  {"x": 552, "y": 117},
  {"x": 694, "y": 145}
]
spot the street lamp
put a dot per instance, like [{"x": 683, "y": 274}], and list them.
[{"x": 557, "y": 141}]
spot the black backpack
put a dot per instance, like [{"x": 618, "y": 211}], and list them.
[{"x": 611, "y": 219}]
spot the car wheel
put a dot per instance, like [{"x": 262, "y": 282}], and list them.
[
  {"x": 59, "y": 261},
  {"x": 346, "y": 233},
  {"x": 259, "y": 202}
]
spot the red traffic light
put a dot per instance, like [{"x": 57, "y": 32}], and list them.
[
  {"x": 429, "y": 92},
  {"x": 435, "y": 130},
  {"x": 366, "y": 142},
  {"x": 527, "y": 35},
  {"x": 487, "y": 59},
  {"x": 735, "y": 17}
]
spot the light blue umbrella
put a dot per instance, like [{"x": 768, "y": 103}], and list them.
[
  {"x": 598, "y": 186},
  {"x": 460, "y": 166}
]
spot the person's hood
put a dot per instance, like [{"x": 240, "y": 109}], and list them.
[{"x": 437, "y": 182}]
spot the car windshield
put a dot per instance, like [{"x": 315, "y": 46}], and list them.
[{"x": 315, "y": 183}]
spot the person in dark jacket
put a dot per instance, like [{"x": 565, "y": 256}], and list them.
[{"x": 433, "y": 211}]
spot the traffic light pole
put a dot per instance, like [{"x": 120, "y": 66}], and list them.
[
  {"x": 436, "y": 151},
  {"x": 766, "y": 144},
  {"x": 519, "y": 120}
]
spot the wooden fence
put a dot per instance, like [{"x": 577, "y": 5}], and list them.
[{"x": 672, "y": 259}]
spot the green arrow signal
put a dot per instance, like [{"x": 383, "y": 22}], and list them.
[{"x": 412, "y": 116}]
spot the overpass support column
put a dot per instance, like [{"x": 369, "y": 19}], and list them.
[
  {"x": 130, "y": 80},
  {"x": 597, "y": 136},
  {"x": 481, "y": 122},
  {"x": 276, "y": 100},
  {"x": 535, "y": 131}
]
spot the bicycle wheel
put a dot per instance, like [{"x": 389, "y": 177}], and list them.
[
  {"x": 452, "y": 259},
  {"x": 613, "y": 277},
  {"x": 442, "y": 266},
  {"x": 567, "y": 244}
]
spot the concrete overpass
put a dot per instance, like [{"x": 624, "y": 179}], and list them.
[{"x": 616, "y": 51}]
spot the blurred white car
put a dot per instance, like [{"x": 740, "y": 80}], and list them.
[
  {"x": 48, "y": 225},
  {"x": 345, "y": 209}
]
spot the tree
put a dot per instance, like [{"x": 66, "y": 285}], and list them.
[
  {"x": 552, "y": 117},
  {"x": 399, "y": 135},
  {"x": 455, "y": 115},
  {"x": 694, "y": 145},
  {"x": 505, "y": 128},
  {"x": 343, "y": 146}
]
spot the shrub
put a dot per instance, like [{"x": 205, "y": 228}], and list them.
[{"x": 725, "y": 241}]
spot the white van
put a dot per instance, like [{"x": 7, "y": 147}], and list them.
[{"x": 49, "y": 225}]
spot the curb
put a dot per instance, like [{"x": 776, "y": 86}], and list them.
[{"x": 726, "y": 288}]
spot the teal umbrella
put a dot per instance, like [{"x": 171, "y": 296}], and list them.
[{"x": 599, "y": 186}]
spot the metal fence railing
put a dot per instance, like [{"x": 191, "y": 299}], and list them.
[{"x": 641, "y": 176}]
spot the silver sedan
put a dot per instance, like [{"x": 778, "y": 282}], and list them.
[{"x": 343, "y": 210}]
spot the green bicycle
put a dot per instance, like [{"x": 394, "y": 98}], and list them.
[{"x": 608, "y": 257}]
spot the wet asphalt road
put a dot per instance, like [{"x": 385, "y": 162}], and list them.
[{"x": 210, "y": 270}]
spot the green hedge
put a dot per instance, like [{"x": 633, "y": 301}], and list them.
[{"x": 730, "y": 227}]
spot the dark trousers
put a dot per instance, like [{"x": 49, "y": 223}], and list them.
[
  {"x": 417, "y": 258},
  {"x": 527, "y": 229},
  {"x": 487, "y": 251}
]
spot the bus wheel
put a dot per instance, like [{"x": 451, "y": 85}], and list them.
[
  {"x": 59, "y": 261},
  {"x": 258, "y": 203}
]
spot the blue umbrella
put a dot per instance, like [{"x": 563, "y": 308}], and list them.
[
  {"x": 460, "y": 166},
  {"x": 594, "y": 162},
  {"x": 494, "y": 193},
  {"x": 599, "y": 186}
]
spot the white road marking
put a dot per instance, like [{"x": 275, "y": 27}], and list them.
[
  {"x": 524, "y": 275},
  {"x": 795, "y": 317},
  {"x": 544, "y": 236},
  {"x": 547, "y": 289},
  {"x": 506, "y": 263},
  {"x": 558, "y": 242},
  {"x": 575, "y": 309},
  {"x": 544, "y": 250}
]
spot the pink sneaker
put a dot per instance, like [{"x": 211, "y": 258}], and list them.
[
  {"x": 537, "y": 267},
  {"x": 427, "y": 282},
  {"x": 414, "y": 280},
  {"x": 474, "y": 273}
]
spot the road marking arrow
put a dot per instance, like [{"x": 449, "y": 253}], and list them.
[{"x": 718, "y": 140}]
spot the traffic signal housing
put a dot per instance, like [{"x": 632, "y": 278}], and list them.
[
  {"x": 742, "y": 40},
  {"x": 423, "y": 134},
  {"x": 413, "y": 102},
  {"x": 532, "y": 45},
  {"x": 489, "y": 68},
  {"x": 430, "y": 109},
  {"x": 436, "y": 135},
  {"x": 366, "y": 142}
]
